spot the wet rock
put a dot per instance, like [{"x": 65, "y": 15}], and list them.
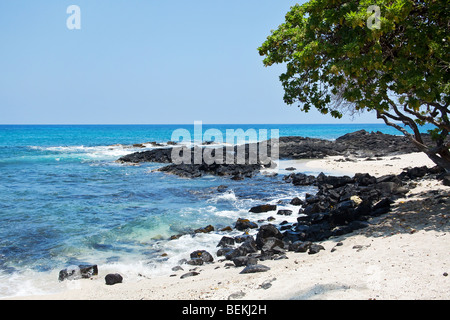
[
  {"x": 243, "y": 224},
  {"x": 263, "y": 208},
  {"x": 222, "y": 188},
  {"x": 243, "y": 238},
  {"x": 296, "y": 201},
  {"x": 195, "y": 262},
  {"x": 78, "y": 272},
  {"x": 113, "y": 278},
  {"x": 226, "y": 241},
  {"x": 177, "y": 268},
  {"x": 204, "y": 255},
  {"x": 224, "y": 251},
  {"x": 284, "y": 212},
  {"x": 301, "y": 179},
  {"x": 206, "y": 229}
]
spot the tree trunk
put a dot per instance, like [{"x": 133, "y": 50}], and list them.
[
  {"x": 439, "y": 155},
  {"x": 442, "y": 159}
]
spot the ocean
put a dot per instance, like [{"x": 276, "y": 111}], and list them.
[{"x": 65, "y": 201}]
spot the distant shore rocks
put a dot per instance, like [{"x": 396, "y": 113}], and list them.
[{"x": 359, "y": 144}]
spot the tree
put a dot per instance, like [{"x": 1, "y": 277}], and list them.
[{"x": 338, "y": 56}]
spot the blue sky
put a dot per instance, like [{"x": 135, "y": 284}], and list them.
[{"x": 143, "y": 62}]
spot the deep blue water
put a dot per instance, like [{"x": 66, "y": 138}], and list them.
[{"x": 64, "y": 201}]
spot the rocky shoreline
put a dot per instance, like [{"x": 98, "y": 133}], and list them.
[
  {"x": 360, "y": 144},
  {"x": 341, "y": 205}
]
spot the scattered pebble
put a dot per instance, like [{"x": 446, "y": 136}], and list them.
[{"x": 189, "y": 274}]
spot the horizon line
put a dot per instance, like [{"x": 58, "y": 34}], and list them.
[{"x": 163, "y": 124}]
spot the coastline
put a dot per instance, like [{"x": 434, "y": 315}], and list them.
[{"x": 400, "y": 255}]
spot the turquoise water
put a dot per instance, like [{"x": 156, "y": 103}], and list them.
[{"x": 64, "y": 201}]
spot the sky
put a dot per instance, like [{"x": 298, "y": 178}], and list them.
[{"x": 143, "y": 62}]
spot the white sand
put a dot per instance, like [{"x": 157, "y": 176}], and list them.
[
  {"x": 403, "y": 255},
  {"x": 383, "y": 166}
]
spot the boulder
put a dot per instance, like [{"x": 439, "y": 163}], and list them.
[
  {"x": 234, "y": 253},
  {"x": 113, "y": 278},
  {"x": 243, "y": 224},
  {"x": 301, "y": 179},
  {"x": 296, "y": 201},
  {"x": 300, "y": 246},
  {"x": 445, "y": 179},
  {"x": 224, "y": 251},
  {"x": 265, "y": 232},
  {"x": 249, "y": 246},
  {"x": 263, "y": 208},
  {"x": 334, "y": 181},
  {"x": 244, "y": 261},
  {"x": 272, "y": 245},
  {"x": 195, "y": 262},
  {"x": 203, "y": 255},
  {"x": 226, "y": 241},
  {"x": 206, "y": 229},
  {"x": 284, "y": 212},
  {"x": 364, "y": 179},
  {"x": 253, "y": 268}
]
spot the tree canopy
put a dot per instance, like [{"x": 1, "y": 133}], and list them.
[{"x": 341, "y": 56}]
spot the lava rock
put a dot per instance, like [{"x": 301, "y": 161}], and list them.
[
  {"x": 254, "y": 268},
  {"x": 243, "y": 224},
  {"x": 78, "y": 272},
  {"x": 203, "y": 255},
  {"x": 113, "y": 278},
  {"x": 189, "y": 274},
  {"x": 226, "y": 241},
  {"x": 296, "y": 201},
  {"x": 244, "y": 261},
  {"x": 300, "y": 246},
  {"x": 206, "y": 229},
  {"x": 263, "y": 208},
  {"x": 284, "y": 212},
  {"x": 266, "y": 231},
  {"x": 315, "y": 248}
]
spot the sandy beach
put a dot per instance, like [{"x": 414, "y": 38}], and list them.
[{"x": 401, "y": 255}]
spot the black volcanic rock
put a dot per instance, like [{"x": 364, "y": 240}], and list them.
[
  {"x": 360, "y": 143},
  {"x": 155, "y": 155}
]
